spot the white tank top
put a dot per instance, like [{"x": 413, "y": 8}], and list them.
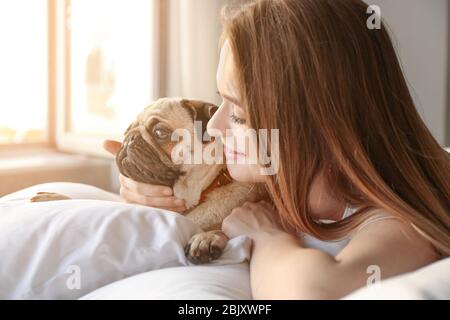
[{"x": 335, "y": 246}]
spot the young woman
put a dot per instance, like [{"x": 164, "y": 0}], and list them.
[{"x": 361, "y": 181}]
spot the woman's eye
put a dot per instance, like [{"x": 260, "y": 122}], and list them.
[
  {"x": 234, "y": 118},
  {"x": 237, "y": 119}
]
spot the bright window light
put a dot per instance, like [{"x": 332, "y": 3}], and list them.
[
  {"x": 111, "y": 63},
  {"x": 23, "y": 71}
]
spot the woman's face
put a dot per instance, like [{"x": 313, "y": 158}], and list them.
[{"x": 229, "y": 123}]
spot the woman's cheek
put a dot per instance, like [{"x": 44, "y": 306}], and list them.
[{"x": 243, "y": 168}]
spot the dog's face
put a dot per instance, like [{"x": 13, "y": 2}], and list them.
[{"x": 146, "y": 151}]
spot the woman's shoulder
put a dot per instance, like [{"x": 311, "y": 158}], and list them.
[
  {"x": 385, "y": 231},
  {"x": 374, "y": 216},
  {"x": 391, "y": 245}
]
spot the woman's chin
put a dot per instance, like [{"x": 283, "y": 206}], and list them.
[{"x": 245, "y": 172}]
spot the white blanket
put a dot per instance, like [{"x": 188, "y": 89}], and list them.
[
  {"x": 95, "y": 247},
  {"x": 66, "y": 249}
]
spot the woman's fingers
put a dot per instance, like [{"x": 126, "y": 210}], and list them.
[
  {"x": 267, "y": 205},
  {"x": 180, "y": 210},
  {"x": 150, "y": 195},
  {"x": 145, "y": 189},
  {"x": 151, "y": 201},
  {"x": 142, "y": 193},
  {"x": 112, "y": 146}
]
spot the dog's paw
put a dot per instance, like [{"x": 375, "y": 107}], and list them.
[
  {"x": 48, "y": 196},
  {"x": 205, "y": 247}
]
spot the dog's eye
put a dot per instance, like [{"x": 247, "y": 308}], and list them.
[{"x": 161, "y": 133}]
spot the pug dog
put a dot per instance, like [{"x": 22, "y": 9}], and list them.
[{"x": 209, "y": 192}]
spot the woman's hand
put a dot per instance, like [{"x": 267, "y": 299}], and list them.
[
  {"x": 253, "y": 220},
  {"x": 146, "y": 194}
]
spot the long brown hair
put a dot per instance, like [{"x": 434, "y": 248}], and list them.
[{"x": 336, "y": 91}]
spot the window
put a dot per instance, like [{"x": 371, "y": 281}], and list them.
[
  {"x": 110, "y": 62},
  {"x": 23, "y": 76},
  {"x": 75, "y": 72},
  {"x": 109, "y": 51}
]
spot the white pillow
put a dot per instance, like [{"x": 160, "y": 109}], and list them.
[
  {"x": 72, "y": 190},
  {"x": 430, "y": 282},
  {"x": 230, "y": 282},
  {"x": 45, "y": 246}
]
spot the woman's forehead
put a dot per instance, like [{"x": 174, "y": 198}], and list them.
[{"x": 226, "y": 81}]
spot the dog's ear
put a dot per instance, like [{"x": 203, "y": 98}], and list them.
[{"x": 200, "y": 111}]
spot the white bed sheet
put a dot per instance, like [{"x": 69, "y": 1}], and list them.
[
  {"x": 228, "y": 282},
  {"x": 24, "y": 264},
  {"x": 67, "y": 249}
]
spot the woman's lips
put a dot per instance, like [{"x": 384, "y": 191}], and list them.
[{"x": 231, "y": 153}]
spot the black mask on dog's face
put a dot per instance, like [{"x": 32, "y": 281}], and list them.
[
  {"x": 146, "y": 159},
  {"x": 140, "y": 161}
]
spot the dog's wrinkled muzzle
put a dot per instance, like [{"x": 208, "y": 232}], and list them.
[{"x": 139, "y": 161}]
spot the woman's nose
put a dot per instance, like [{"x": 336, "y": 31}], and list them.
[{"x": 218, "y": 124}]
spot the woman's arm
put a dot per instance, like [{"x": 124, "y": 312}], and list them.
[{"x": 281, "y": 269}]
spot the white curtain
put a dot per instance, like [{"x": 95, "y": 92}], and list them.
[{"x": 192, "y": 50}]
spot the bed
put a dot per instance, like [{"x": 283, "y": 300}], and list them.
[{"x": 94, "y": 246}]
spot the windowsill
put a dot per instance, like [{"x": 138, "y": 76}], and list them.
[
  {"x": 42, "y": 158},
  {"x": 23, "y": 168}
]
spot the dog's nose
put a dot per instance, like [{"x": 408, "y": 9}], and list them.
[
  {"x": 134, "y": 142},
  {"x": 131, "y": 142}
]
